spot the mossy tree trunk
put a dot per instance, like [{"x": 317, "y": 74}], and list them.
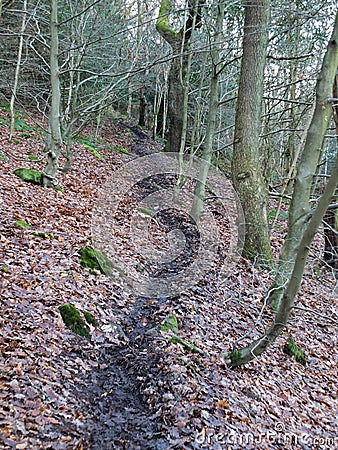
[
  {"x": 303, "y": 222},
  {"x": 54, "y": 139},
  {"x": 179, "y": 42},
  {"x": 246, "y": 164}
]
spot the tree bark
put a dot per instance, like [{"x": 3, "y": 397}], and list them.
[
  {"x": 303, "y": 222},
  {"x": 179, "y": 42},
  {"x": 54, "y": 139},
  {"x": 199, "y": 194},
  {"x": 246, "y": 165},
  {"x": 331, "y": 215},
  {"x": 17, "y": 69}
]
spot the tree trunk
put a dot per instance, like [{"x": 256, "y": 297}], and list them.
[
  {"x": 179, "y": 42},
  {"x": 143, "y": 112},
  {"x": 246, "y": 165},
  {"x": 17, "y": 69},
  {"x": 54, "y": 140},
  {"x": 199, "y": 194},
  {"x": 303, "y": 222},
  {"x": 331, "y": 215}
]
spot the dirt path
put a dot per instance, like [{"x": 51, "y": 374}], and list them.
[{"x": 111, "y": 398}]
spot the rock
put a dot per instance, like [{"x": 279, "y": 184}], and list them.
[
  {"x": 29, "y": 175},
  {"x": 72, "y": 319}
]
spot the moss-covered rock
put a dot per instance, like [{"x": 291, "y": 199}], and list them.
[
  {"x": 292, "y": 349},
  {"x": 90, "y": 318},
  {"x": 72, "y": 319},
  {"x": 29, "y": 175},
  {"x": 95, "y": 260}
]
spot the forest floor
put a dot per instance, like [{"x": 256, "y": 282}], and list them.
[{"x": 133, "y": 384}]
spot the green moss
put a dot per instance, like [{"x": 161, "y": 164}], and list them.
[
  {"x": 2, "y": 156},
  {"x": 235, "y": 356},
  {"x": 29, "y": 175},
  {"x": 72, "y": 319},
  {"x": 22, "y": 224},
  {"x": 93, "y": 151},
  {"x": 170, "y": 324},
  {"x": 33, "y": 158},
  {"x": 90, "y": 318},
  {"x": 95, "y": 260},
  {"x": 292, "y": 349},
  {"x": 20, "y": 125},
  {"x": 118, "y": 149},
  {"x": 282, "y": 214},
  {"x": 186, "y": 344},
  {"x": 4, "y": 269},
  {"x": 45, "y": 235},
  {"x": 162, "y": 22}
]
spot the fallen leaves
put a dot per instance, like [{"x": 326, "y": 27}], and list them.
[{"x": 129, "y": 381}]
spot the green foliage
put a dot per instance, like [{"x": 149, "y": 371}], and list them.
[
  {"x": 20, "y": 125},
  {"x": 282, "y": 214},
  {"x": 4, "y": 269},
  {"x": 2, "y": 156},
  {"x": 5, "y": 106},
  {"x": 4, "y": 122},
  {"x": 292, "y": 349},
  {"x": 170, "y": 324},
  {"x": 118, "y": 149},
  {"x": 29, "y": 175},
  {"x": 72, "y": 319},
  {"x": 91, "y": 144},
  {"x": 95, "y": 260},
  {"x": 22, "y": 224}
]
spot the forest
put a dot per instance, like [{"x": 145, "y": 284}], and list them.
[{"x": 169, "y": 224}]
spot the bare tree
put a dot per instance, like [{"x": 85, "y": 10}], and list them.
[
  {"x": 303, "y": 221},
  {"x": 54, "y": 138},
  {"x": 246, "y": 162}
]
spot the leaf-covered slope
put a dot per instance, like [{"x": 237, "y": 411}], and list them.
[{"x": 131, "y": 385}]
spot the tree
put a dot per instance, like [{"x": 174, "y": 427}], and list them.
[
  {"x": 177, "y": 80},
  {"x": 303, "y": 221},
  {"x": 199, "y": 193},
  {"x": 246, "y": 162},
  {"x": 54, "y": 138},
  {"x": 331, "y": 215},
  {"x": 17, "y": 68}
]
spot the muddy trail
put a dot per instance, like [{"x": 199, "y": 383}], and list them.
[
  {"x": 111, "y": 399},
  {"x": 121, "y": 402},
  {"x": 135, "y": 384}
]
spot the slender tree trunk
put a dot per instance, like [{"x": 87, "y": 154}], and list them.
[
  {"x": 246, "y": 165},
  {"x": 199, "y": 194},
  {"x": 54, "y": 140},
  {"x": 143, "y": 113},
  {"x": 303, "y": 221},
  {"x": 17, "y": 70},
  {"x": 331, "y": 215},
  {"x": 179, "y": 42}
]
